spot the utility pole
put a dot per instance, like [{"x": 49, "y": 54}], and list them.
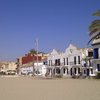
[
  {"x": 36, "y": 43},
  {"x": 37, "y": 50},
  {"x": 33, "y": 66}
]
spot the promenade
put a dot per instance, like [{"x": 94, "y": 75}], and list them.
[{"x": 30, "y": 88}]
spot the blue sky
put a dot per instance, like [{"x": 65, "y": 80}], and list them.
[{"x": 54, "y": 22}]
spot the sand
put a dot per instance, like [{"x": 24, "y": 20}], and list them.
[{"x": 29, "y": 88}]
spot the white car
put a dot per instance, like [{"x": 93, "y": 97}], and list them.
[{"x": 11, "y": 72}]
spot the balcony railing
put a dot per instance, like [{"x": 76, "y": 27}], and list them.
[{"x": 96, "y": 41}]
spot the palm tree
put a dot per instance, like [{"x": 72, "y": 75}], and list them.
[
  {"x": 33, "y": 51},
  {"x": 97, "y": 13},
  {"x": 94, "y": 28}
]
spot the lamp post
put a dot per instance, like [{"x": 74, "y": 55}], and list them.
[
  {"x": 33, "y": 66},
  {"x": 36, "y": 43},
  {"x": 37, "y": 51}
]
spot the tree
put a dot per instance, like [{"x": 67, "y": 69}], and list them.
[
  {"x": 33, "y": 51},
  {"x": 94, "y": 28},
  {"x": 97, "y": 13}
]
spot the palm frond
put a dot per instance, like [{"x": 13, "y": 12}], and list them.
[
  {"x": 97, "y": 13},
  {"x": 94, "y": 27},
  {"x": 94, "y": 24}
]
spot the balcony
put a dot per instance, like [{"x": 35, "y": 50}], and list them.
[
  {"x": 96, "y": 41},
  {"x": 94, "y": 36},
  {"x": 95, "y": 61}
]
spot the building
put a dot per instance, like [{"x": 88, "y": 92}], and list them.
[
  {"x": 73, "y": 61},
  {"x": 31, "y": 64},
  {"x": 95, "y": 42},
  {"x": 96, "y": 54},
  {"x": 8, "y": 67}
]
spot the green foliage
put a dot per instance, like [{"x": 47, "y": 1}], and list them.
[
  {"x": 33, "y": 51},
  {"x": 94, "y": 28},
  {"x": 97, "y": 13},
  {"x": 98, "y": 75},
  {"x": 95, "y": 25},
  {"x": 58, "y": 76}
]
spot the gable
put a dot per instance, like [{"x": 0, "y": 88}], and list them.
[
  {"x": 54, "y": 52},
  {"x": 71, "y": 48}
]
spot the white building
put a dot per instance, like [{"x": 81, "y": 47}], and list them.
[
  {"x": 27, "y": 69},
  {"x": 96, "y": 54},
  {"x": 73, "y": 61}
]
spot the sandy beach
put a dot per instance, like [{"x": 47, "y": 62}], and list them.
[{"x": 30, "y": 88}]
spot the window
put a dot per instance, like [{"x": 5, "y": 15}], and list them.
[
  {"x": 58, "y": 62},
  {"x": 75, "y": 60},
  {"x": 84, "y": 71},
  {"x": 64, "y": 61},
  {"x": 45, "y": 63},
  {"x": 67, "y": 60},
  {"x": 95, "y": 53},
  {"x": 64, "y": 70},
  {"x": 98, "y": 67},
  {"x": 75, "y": 70},
  {"x": 58, "y": 71},
  {"x": 49, "y": 62},
  {"x": 78, "y": 70},
  {"x": 90, "y": 54},
  {"x": 78, "y": 59},
  {"x": 67, "y": 70},
  {"x": 91, "y": 71}
]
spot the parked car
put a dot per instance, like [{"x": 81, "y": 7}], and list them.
[
  {"x": 2, "y": 73},
  {"x": 11, "y": 72}
]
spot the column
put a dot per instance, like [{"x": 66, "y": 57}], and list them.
[
  {"x": 61, "y": 71},
  {"x": 65, "y": 71},
  {"x": 89, "y": 71},
  {"x": 55, "y": 70},
  {"x": 77, "y": 71}
]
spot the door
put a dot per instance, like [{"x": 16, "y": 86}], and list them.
[{"x": 88, "y": 72}]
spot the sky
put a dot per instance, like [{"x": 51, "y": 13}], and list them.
[{"x": 56, "y": 24}]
